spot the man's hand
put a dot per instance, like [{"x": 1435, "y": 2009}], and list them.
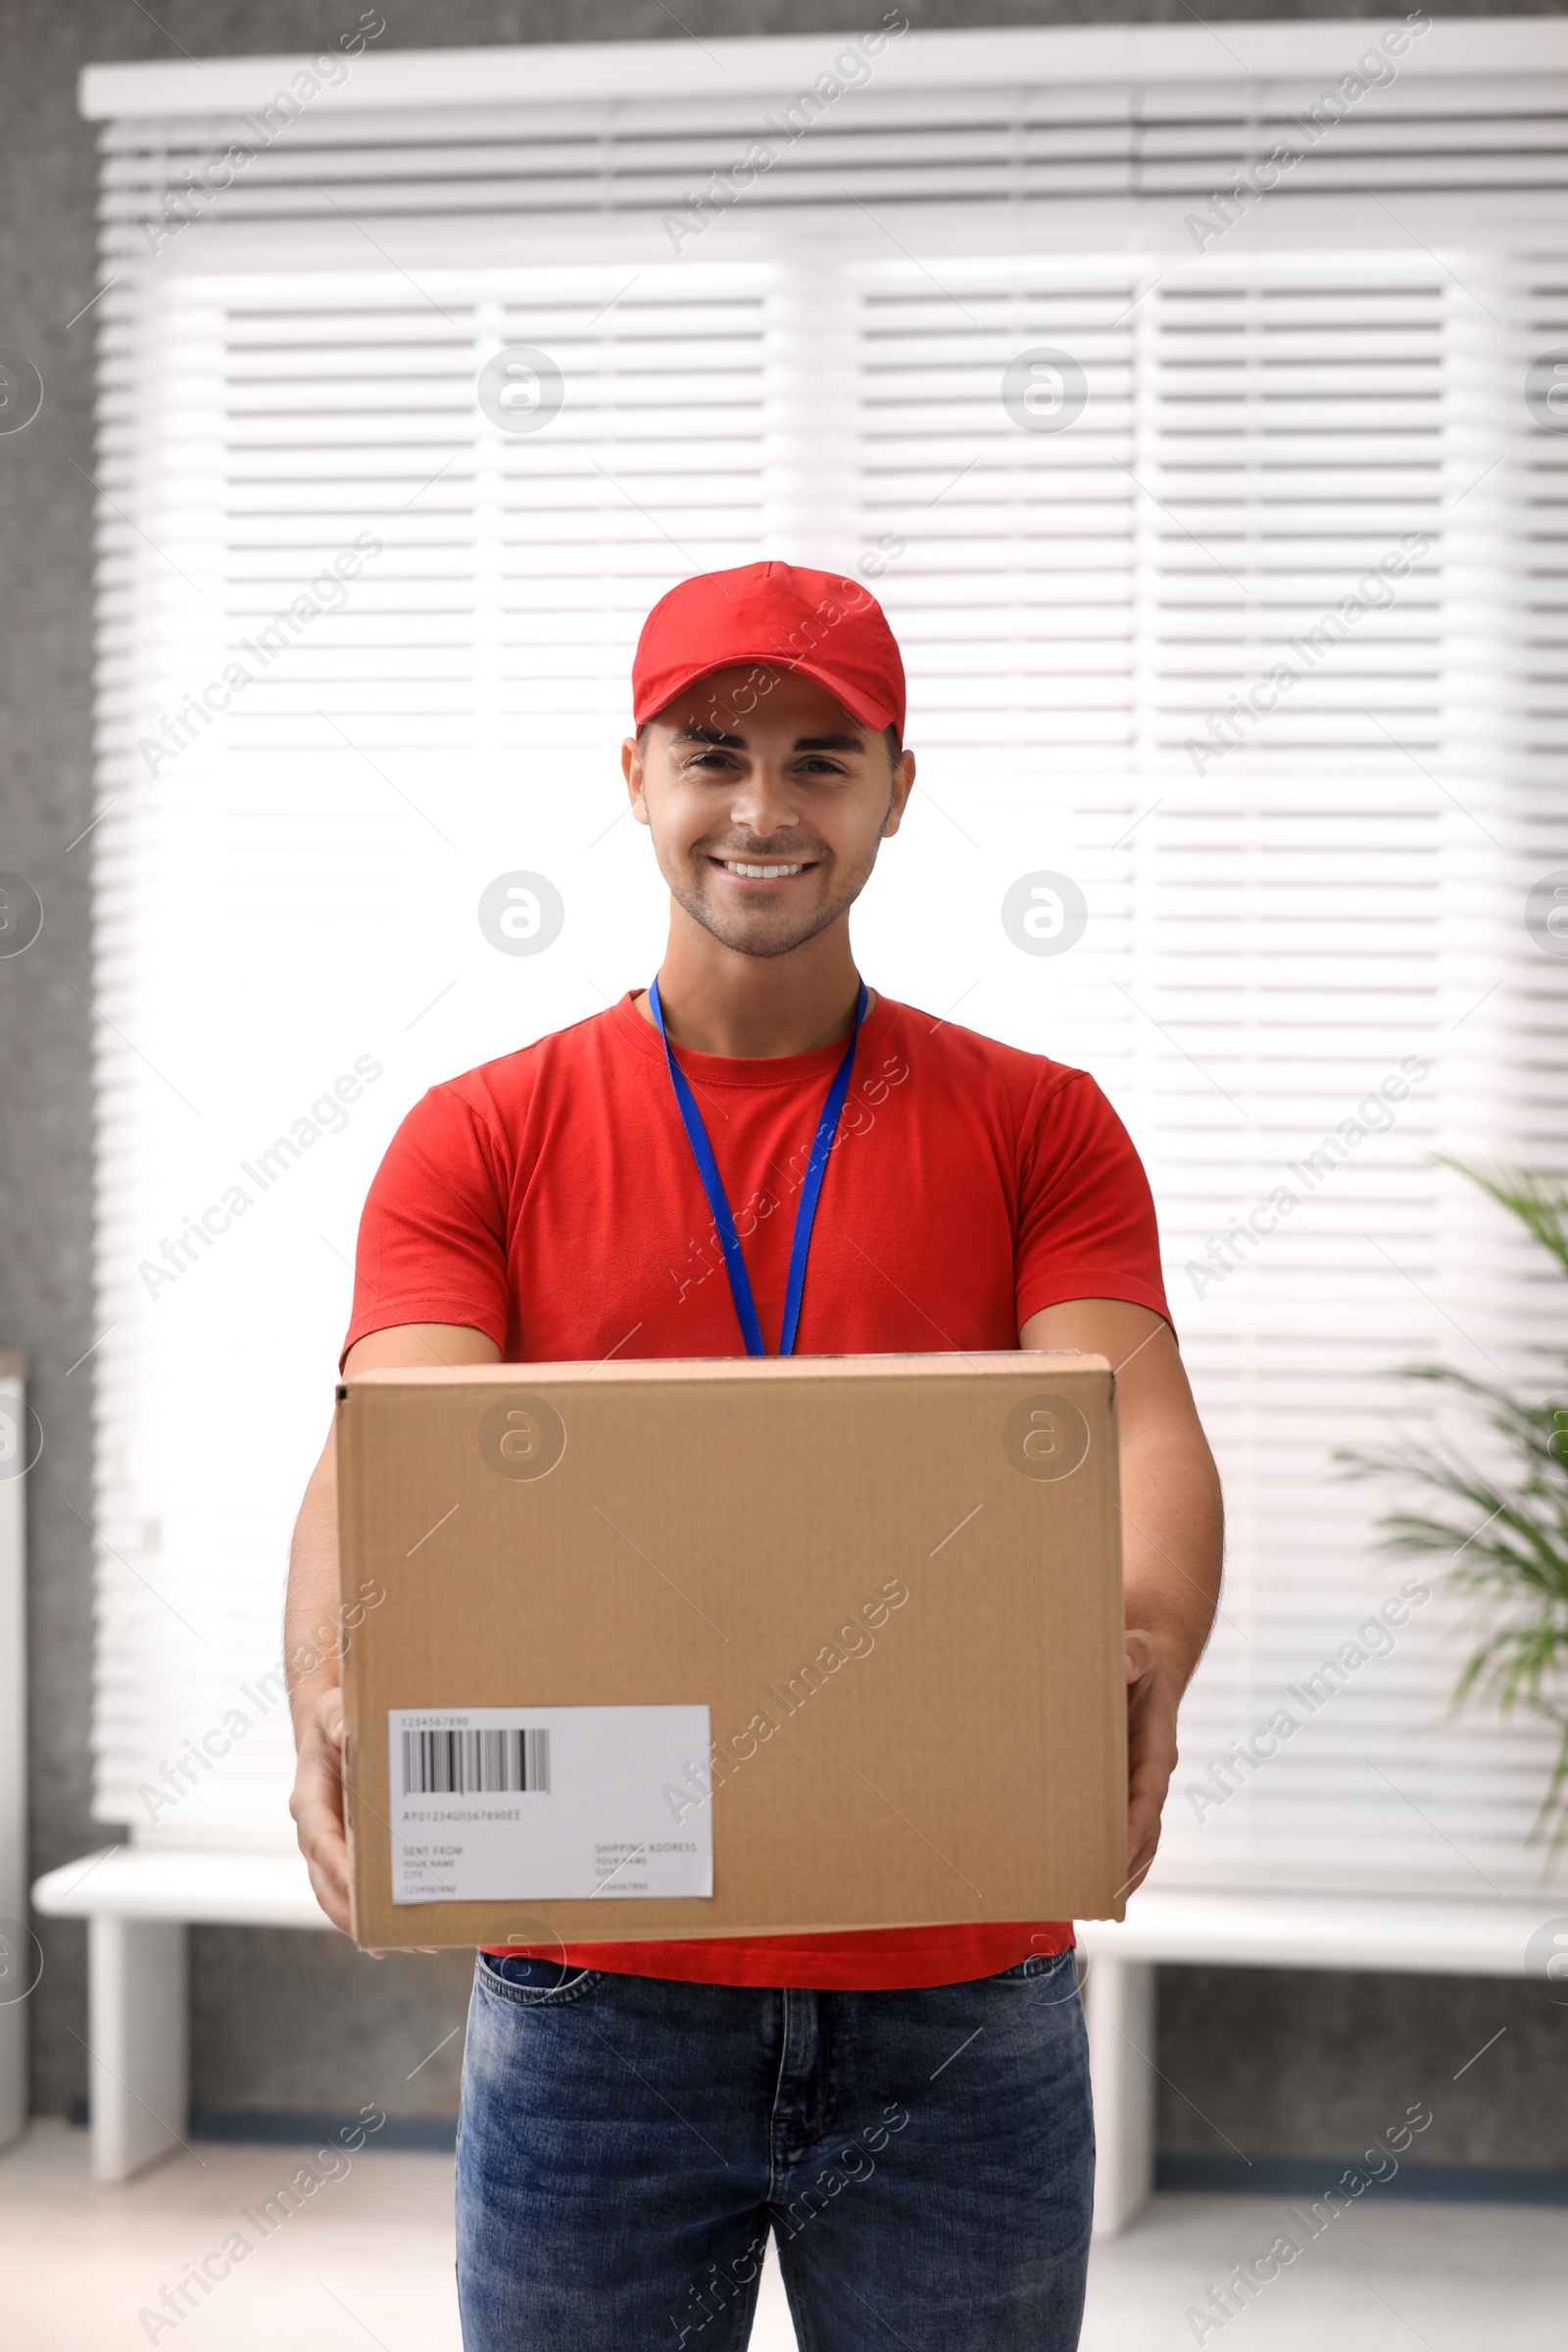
[
  {"x": 316, "y": 1805},
  {"x": 1151, "y": 1749},
  {"x": 315, "y": 1667}
]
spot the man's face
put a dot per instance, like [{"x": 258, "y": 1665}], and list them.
[{"x": 762, "y": 769}]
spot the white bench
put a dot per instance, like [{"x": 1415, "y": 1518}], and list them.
[
  {"x": 138, "y": 1902},
  {"x": 1403, "y": 1935}
]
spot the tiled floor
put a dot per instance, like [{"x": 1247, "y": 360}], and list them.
[
  {"x": 369, "y": 2252},
  {"x": 368, "y": 2260},
  {"x": 1385, "y": 2278}
]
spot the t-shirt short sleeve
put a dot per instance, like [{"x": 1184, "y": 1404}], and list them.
[
  {"x": 432, "y": 1245},
  {"x": 1086, "y": 1216}
]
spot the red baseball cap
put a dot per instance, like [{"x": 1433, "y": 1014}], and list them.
[{"x": 780, "y": 618}]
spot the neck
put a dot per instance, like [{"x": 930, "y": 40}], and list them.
[{"x": 755, "y": 1007}]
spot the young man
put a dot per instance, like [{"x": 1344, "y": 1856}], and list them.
[{"x": 909, "y": 2109}]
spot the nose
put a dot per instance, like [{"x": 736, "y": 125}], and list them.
[{"x": 763, "y": 802}]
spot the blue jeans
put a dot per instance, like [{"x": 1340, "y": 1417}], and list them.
[{"x": 626, "y": 2143}]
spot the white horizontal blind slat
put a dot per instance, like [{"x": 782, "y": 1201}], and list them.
[{"x": 1046, "y": 146}]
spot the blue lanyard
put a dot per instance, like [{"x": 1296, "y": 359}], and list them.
[{"x": 713, "y": 1185}]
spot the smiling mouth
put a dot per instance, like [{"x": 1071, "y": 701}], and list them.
[{"x": 750, "y": 869}]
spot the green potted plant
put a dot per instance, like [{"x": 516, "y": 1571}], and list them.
[{"x": 1506, "y": 1529}]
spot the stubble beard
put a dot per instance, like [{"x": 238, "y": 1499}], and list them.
[{"x": 769, "y": 932}]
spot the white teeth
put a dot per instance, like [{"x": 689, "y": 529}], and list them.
[{"x": 759, "y": 873}]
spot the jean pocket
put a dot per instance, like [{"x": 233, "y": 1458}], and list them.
[
  {"x": 528, "y": 1983},
  {"x": 1038, "y": 1965}
]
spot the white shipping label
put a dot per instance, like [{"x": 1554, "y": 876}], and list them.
[{"x": 507, "y": 1804}]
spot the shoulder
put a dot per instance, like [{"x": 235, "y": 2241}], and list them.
[
  {"x": 490, "y": 1107},
  {"x": 1053, "y": 1119},
  {"x": 502, "y": 1092},
  {"x": 945, "y": 1052}
]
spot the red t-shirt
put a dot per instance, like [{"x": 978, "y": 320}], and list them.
[{"x": 552, "y": 1201}]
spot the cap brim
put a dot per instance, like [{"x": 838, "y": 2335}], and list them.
[{"x": 858, "y": 704}]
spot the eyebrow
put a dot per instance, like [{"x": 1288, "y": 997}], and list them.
[{"x": 737, "y": 743}]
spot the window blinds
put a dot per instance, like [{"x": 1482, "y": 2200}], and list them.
[{"x": 423, "y": 623}]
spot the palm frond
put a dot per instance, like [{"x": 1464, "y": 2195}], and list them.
[
  {"x": 1504, "y": 1535},
  {"x": 1539, "y": 1201}
]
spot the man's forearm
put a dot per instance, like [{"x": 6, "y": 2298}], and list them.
[
  {"x": 1172, "y": 1542},
  {"x": 315, "y": 1627},
  {"x": 312, "y": 1626}
]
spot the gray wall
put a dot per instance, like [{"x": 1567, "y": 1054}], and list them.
[
  {"x": 1311, "y": 2063},
  {"x": 1277, "y": 2064}
]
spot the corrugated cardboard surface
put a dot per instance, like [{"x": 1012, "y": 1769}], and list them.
[{"x": 700, "y": 1532}]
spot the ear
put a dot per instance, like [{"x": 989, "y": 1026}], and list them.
[
  {"x": 632, "y": 767},
  {"x": 903, "y": 786}
]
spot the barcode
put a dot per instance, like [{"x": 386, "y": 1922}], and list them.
[{"x": 475, "y": 1763}]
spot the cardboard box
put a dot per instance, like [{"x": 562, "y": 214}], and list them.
[{"x": 894, "y": 1582}]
